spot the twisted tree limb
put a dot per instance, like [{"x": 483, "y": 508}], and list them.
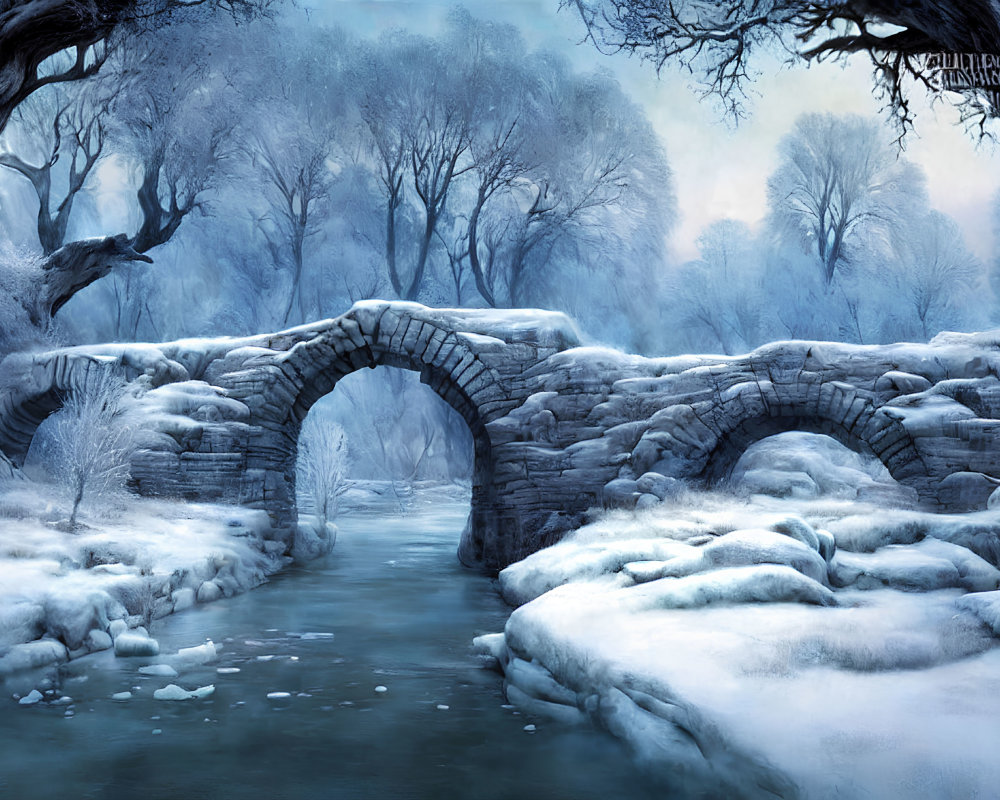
[{"x": 77, "y": 265}]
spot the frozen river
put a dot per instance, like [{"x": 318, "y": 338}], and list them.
[{"x": 392, "y": 608}]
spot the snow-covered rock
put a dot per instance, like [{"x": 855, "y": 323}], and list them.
[
  {"x": 134, "y": 643},
  {"x": 986, "y": 606},
  {"x": 720, "y": 661},
  {"x": 29, "y": 655},
  {"x": 98, "y": 640},
  {"x": 209, "y": 592},
  {"x": 566, "y": 561},
  {"x": 83, "y": 591},
  {"x": 314, "y": 538}
]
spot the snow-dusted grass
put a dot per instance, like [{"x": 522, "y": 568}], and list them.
[
  {"x": 767, "y": 647},
  {"x": 65, "y": 592}
]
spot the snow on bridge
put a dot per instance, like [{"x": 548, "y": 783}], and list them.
[{"x": 558, "y": 428}]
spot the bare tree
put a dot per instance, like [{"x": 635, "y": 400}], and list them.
[
  {"x": 716, "y": 42},
  {"x": 417, "y": 109},
  {"x": 297, "y": 180},
  {"x": 93, "y": 440},
  {"x": 456, "y": 248},
  {"x": 62, "y": 125},
  {"x": 31, "y": 33},
  {"x": 175, "y": 120},
  {"x": 595, "y": 163},
  {"x": 299, "y": 149}
]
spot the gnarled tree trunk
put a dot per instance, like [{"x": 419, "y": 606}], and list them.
[{"x": 78, "y": 264}]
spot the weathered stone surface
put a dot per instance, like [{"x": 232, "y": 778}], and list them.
[{"x": 557, "y": 428}]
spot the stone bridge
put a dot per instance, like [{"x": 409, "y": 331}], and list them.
[{"x": 558, "y": 427}]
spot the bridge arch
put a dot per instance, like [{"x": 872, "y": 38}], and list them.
[
  {"x": 371, "y": 336},
  {"x": 42, "y": 392},
  {"x": 847, "y": 414}
]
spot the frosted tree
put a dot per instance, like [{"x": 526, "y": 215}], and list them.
[
  {"x": 939, "y": 279},
  {"x": 21, "y": 319},
  {"x": 719, "y": 295},
  {"x": 600, "y": 179},
  {"x": 838, "y": 175},
  {"x": 93, "y": 440},
  {"x": 174, "y": 120},
  {"x": 417, "y": 108},
  {"x": 322, "y": 466},
  {"x": 298, "y": 149},
  {"x": 32, "y": 32}
]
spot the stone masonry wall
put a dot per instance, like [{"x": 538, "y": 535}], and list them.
[{"x": 558, "y": 428}]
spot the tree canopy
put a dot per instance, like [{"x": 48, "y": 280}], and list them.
[
  {"x": 905, "y": 41},
  {"x": 32, "y": 31}
]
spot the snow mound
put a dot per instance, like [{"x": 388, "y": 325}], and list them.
[
  {"x": 761, "y": 583},
  {"x": 63, "y": 595},
  {"x": 805, "y": 465},
  {"x": 717, "y": 636}
]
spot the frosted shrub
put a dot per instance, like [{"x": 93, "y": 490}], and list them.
[
  {"x": 92, "y": 441},
  {"x": 20, "y": 278},
  {"x": 322, "y": 466}
]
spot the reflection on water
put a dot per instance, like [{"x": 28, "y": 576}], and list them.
[{"x": 402, "y": 613}]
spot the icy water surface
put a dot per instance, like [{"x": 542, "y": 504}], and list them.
[{"x": 390, "y": 608}]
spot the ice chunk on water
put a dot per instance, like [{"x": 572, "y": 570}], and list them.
[
  {"x": 30, "y": 698},
  {"x": 174, "y": 692},
  {"x": 200, "y": 654},
  {"x": 159, "y": 670}
]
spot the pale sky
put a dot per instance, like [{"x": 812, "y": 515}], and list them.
[{"x": 721, "y": 170}]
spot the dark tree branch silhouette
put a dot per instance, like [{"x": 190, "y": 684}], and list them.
[
  {"x": 32, "y": 31},
  {"x": 716, "y": 42}
]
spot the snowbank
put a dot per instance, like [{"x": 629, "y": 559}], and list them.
[
  {"x": 744, "y": 650},
  {"x": 806, "y": 465},
  {"x": 64, "y": 593}
]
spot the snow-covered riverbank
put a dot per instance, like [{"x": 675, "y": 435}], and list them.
[
  {"x": 65, "y": 593},
  {"x": 818, "y": 648}
]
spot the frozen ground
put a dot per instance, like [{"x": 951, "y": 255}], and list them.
[
  {"x": 762, "y": 647},
  {"x": 65, "y": 593}
]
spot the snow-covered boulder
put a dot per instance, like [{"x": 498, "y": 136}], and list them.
[
  {"x": 314, "y": 539},
  {"x": 136, "y": 643}
]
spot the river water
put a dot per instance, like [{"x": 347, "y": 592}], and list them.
[{"x": 390, "y": 607}]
